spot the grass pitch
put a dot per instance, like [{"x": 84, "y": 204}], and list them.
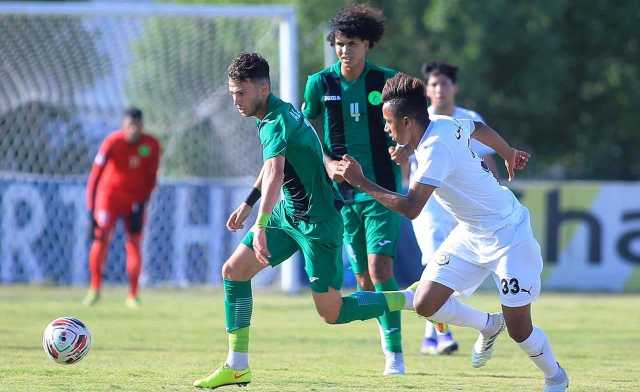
[{"x": 178, "y": 335}]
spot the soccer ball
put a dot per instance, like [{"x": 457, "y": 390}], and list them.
[{"x": 66, "y": 340}]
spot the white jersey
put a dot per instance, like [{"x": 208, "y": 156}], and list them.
[
  {"x": 433, "y": 215},
  {"x": 465, "y": 188}
]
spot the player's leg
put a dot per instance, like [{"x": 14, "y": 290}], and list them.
[
  {"x": 517, "y": 275},
  {"x": 237, "y": 273},
  {"x": 447, "y": 274},
  {"x": 355, "y": 244},
  {"x": 320, "y": 245},
  {"x": 134, "y": 223},
  {"x": 105, "y": 219},
  {"x": 382, "y": 230},
  {"x": 430, "y": 233}
]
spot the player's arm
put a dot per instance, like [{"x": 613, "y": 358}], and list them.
[
  {"x": 513, "y": 159},
  {"x": 240, "y": 214},
  {"x": 97, "y": 168},
  {"x": 410, "y": 205},
  {"x": 272, "y": 178}
]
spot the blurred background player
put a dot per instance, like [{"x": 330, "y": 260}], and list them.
[
  {"x": 434, "y": 224},
  {"x": 119, "y": 186},
  {"x": 306, "y": 219},
  {"x": 347, "y": 96}
]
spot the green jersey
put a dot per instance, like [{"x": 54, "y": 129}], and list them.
[
  {"x": 352, "y": 120},
  {"x": 284, "y": 131}
]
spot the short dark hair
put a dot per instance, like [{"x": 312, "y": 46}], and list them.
[
  {"x": 357, "y": 21},
  {"x": 248, "y": 66},
  {"x": 440, "y": 67},
  {"x": 406, "y": 95},
  {"x": 133, "y": 113}
]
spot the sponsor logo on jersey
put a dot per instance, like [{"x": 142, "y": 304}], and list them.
[{"x": 331, "y": 98}]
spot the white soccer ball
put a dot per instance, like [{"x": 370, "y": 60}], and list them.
[{"x": 66, "y": 340}]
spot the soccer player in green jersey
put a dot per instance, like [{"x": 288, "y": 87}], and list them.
[
  {"x": 347, "y": 98},
  {"x": 306, "y": 219}
]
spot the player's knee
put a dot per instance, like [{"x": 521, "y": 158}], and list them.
[
  {"x": 228, "y": 271},
  {"x": 424, "y": 307},
  {"x": 380, "y": 268},
  {"x": 519, "y": 331}
]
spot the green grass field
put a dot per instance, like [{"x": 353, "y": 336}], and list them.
[{"x": 178, "y": 335}]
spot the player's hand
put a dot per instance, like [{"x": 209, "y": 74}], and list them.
[
  {"x": 517, "y": 161},
  {"x": 260, "y": 245},
  {"x": 400, "y": 154},
  {"x": 331, "y": 166},
  {"x": 237, "y": 217},
  {"x": 350, "y": 170}
]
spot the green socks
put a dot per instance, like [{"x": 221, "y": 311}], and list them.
[
  {"x": 362, "y": 305},
  {"x": 391, "y": 323},
  {"x": 238, "y": 304},
  {"x": 239, "y": 340}
]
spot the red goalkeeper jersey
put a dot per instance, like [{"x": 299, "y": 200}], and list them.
[{"x": 128, "y": 169}]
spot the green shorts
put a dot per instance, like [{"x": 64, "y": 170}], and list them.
[
  {"x": 319, "y": 242},
  {"x": 369, "y": 228}
]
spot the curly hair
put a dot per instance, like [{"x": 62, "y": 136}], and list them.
[
  {"x": 248, "y": 66},
  {"x": 406, "y": 95},
  {"x": 357, "y": 21},
  {"x": 440, "y": 67}
]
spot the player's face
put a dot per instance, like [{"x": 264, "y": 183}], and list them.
[
  {"x": 441, "y": 91},
  {"x": 247, "y": 96},
  {"x": 351, "y": 51},
  {"x": 395, "y": 126},
  {"x": 132, "y": 129}
]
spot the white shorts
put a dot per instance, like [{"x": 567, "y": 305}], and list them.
[{"x": 516, "y": 271}]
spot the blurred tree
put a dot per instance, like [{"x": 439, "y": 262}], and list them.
[
  {"x": 557, "y": 77},
  {"x": 38, "y": 89}
]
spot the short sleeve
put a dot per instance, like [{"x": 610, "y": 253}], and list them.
[
  {"x": 475, "y": 145},
  {"x": 312, "y": 106},
  {"x": 435, "y": 163},
  {"x": 273, "y": 139}
]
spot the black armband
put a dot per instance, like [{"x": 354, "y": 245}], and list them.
[{"x": 253, "y": 197}]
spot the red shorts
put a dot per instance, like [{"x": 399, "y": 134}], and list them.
[{"x": 111, "y": 206}]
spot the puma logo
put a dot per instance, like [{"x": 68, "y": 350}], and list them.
[{"x": 527, "y": 291}]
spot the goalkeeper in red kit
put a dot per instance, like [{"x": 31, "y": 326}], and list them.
[{"x": 122, "y": 178}]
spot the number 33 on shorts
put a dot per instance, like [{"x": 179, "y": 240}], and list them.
[{"x": 512, "y": 286}]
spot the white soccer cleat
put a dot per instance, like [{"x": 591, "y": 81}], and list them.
[
  {"x": 558, "y": 383},
  {"x": 483, "y": 348},
  {"x": 393, "y": 364}
]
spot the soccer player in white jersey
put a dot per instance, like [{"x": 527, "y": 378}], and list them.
[
  {"x": 493, "y": 235},
  {"x": 434, "y": 223}
]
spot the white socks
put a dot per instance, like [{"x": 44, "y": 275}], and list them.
[
  {"x": 429, "y": 330},
  {"x": 539, "y": 350},
  {"x": 456, "y": 313},
  {"x": 237, "y": 360}
]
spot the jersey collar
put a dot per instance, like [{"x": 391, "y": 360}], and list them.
[{"x": 336, "y": 68}]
